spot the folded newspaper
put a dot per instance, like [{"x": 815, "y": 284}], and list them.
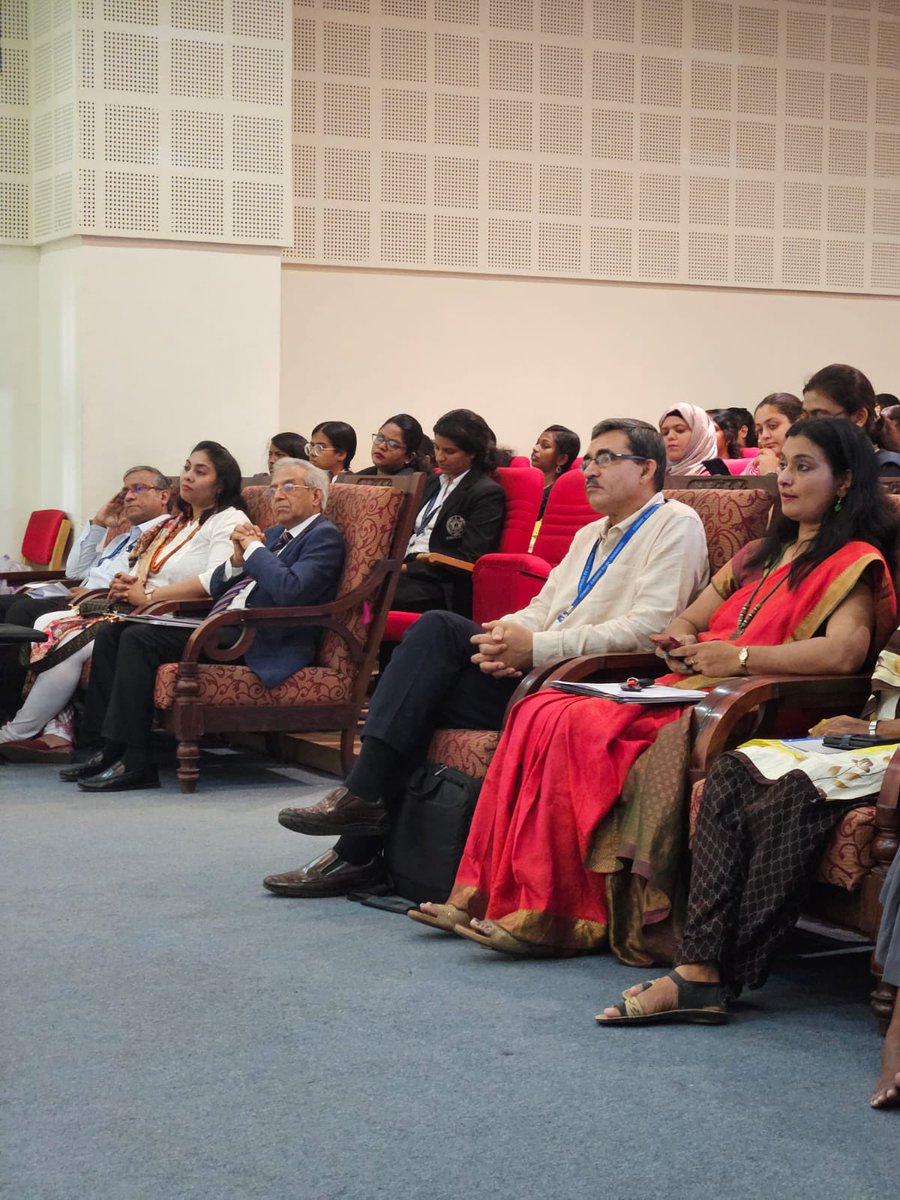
[{"x": 655, "y": 694}]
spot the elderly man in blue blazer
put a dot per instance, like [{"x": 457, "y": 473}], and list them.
[{"x": 296, "y": 563}]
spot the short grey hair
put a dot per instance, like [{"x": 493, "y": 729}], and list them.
[
  {"x": 160, "y": 481},
  {"x": 315, "y": 476}
]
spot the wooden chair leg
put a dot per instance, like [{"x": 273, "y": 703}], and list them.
[{"x": 188, "y": 765}]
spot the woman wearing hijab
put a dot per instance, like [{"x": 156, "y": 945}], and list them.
[{"x": 690, "y": 438}]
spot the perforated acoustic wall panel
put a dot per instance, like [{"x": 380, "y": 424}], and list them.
[
  {"x": 148, "y": 118},
  {"x": 15, "y": 152},
  {"x": 693, "y": 141}
]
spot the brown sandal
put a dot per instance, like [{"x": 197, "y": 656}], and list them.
[{"x": 446, "y": 919}]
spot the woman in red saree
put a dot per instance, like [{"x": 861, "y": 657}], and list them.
[{"x": 814, "y": 598}]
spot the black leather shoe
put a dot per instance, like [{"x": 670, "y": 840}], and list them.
[
  {"x": 327, "y": 875},
  {"x": 82, "y": 770},
  {"x": 117, "y": 778},
  {"x": 339, "y": 812}
]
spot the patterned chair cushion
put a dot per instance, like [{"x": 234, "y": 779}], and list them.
[
  {"x": 366, "y": 517},
  {"x": 731, "y": 518},
  {"x": 467, "y": 750},
  {"x": 259, "y": 506},
  {"x": 227, "y": 685},
  {"x": 848, "y": 853}
]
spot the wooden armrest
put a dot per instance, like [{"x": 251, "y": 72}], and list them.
[
  {"x": 618, "y": 666},
  {"x": 574, "y": 670},
  {"x": 444, "y": 560},
  {"x": 14, "y": 578},
  {"x": 716, "y": 718}
]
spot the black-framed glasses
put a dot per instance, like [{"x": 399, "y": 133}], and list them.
[
  {"x": 287, "y": 488},
  {"x": 605, "y": 457},
  {"x": 378, "y": 439}
]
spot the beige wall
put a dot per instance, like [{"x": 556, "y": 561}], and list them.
[
  {"x": 359, "y": 346},
  {"x": 19, "y": 407}
]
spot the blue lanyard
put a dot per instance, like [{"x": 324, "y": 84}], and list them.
[
  {"x": 429, "y": 508},
  {"x": 114, "y": 549},
  {"x": 589, "y": 581}
]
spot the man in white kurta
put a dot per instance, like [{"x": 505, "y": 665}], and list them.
[{"x": 625, "y": 577}]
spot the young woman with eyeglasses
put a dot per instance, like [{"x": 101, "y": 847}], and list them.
[{"x": 395, "y": 447}]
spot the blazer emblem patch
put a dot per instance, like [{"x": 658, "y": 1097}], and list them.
[{"x": 456, "y": 526}]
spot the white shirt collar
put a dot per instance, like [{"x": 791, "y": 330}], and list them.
[
  {"x": 296, "y": 530},
  {"x": 621, "y": 526}
]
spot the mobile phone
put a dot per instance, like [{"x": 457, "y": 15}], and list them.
[
  {"x": 856, "y": 741},
  {"x": 669, "y": 643}
]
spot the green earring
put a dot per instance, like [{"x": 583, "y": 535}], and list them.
[{"x": 838, "y": 505}]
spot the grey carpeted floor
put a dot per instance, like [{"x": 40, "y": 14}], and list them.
[{"x": 172, "y": 1031}]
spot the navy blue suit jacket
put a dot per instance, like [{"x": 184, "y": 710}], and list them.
[{"x": 305, "y": 572}]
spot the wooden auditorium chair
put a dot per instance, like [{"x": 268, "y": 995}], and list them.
[{"x": 375, "y": 515}]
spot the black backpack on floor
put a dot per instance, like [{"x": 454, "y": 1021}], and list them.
[{"x": 428, "y": 831}]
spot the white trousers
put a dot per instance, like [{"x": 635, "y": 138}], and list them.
[{"x": 51, "y": 692}]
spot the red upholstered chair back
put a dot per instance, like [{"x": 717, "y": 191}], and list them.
[
  {"x": 737, "y": 466},
  {"x": 520, "y": 461},
  {"x": 750, "y": 451},
  {"x": 523, "y": 487},
  {"x": 567, "y": 511},
  {"x": 259, "y": 505},
  {"x": 44, "y": 542}
]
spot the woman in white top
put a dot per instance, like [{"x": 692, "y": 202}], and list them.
[{"x": 168, "y": 561}]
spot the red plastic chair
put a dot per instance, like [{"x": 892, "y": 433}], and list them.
[
  {"x": 43, "y": 546},
  {"x": 506, "y": 582},
  {"x": 523, "y": 487}
]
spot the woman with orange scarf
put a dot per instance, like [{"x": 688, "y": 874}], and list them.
[{"x": 543, "y": 869}]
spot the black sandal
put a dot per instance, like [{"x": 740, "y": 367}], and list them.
[{"x": 698, "y": 1004}]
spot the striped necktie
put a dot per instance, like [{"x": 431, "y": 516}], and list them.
[{"x": 224, "y": 601}]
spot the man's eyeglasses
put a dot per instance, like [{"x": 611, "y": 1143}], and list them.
[
  {"x": 138, "y": 489},
  {"x": 287, "y": 488},
  {"x": 378, "y": 439},
  {"x": 605, "y": 457}
]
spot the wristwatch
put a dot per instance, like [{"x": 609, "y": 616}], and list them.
[
  {"x": 872, "y": 730},
  {"x": 743, "y": 655}
]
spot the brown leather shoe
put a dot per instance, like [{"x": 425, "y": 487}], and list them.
[
  {"x": 339, "y": 812},
  {"x": 327, "y": 875}
]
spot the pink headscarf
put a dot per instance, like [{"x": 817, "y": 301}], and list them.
[{"x": 702, "y": 446}]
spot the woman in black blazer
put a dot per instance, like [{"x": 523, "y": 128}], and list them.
[{"x": 462, "y": 516}]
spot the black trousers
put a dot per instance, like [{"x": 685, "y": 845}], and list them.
[
  {"x": 429, "y": 684},
  {"x": 20, "y": 609},
  {"x": 754, "y": 857},
  {"x": 119, "y": 704}
]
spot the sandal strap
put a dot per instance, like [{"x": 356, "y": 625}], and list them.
[{"x": 695, "y": 994}]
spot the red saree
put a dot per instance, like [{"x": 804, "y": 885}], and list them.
[{"x": 563, "y": 760}]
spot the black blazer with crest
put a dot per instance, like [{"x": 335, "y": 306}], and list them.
[{"x": 469, "y": 524}]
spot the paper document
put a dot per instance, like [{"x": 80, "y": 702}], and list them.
[{"x": 657, "y": 694}]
